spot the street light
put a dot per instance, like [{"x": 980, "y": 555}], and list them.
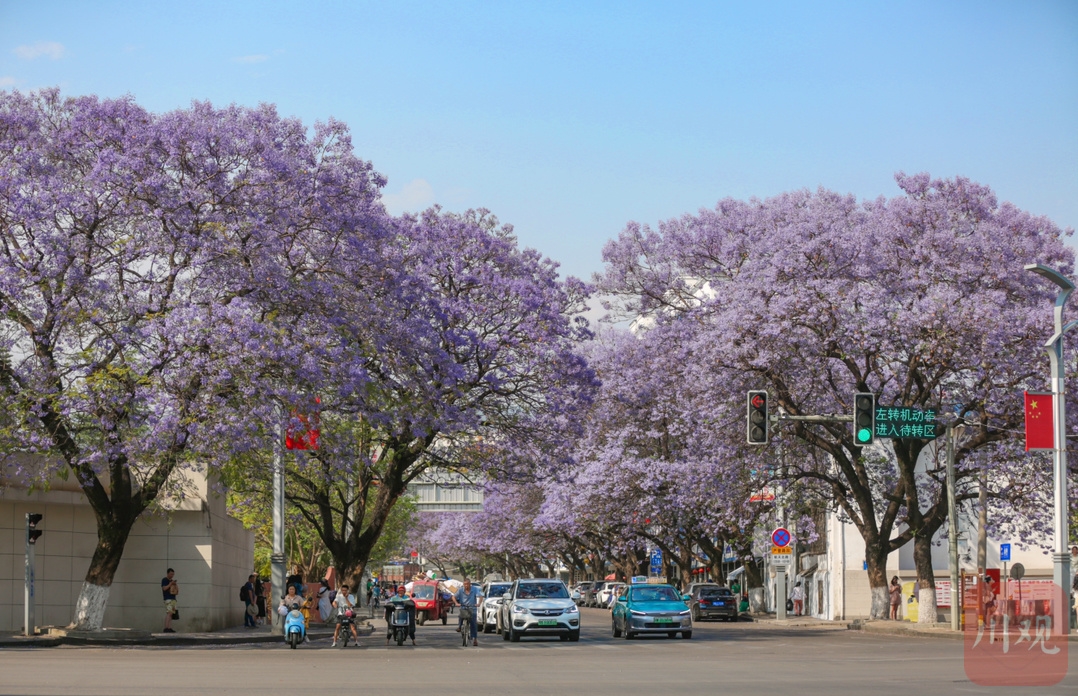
[{"x": 1054, "y": 348}]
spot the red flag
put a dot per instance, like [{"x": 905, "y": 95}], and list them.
[
  {"x": 1040, "y": 422},
  {"x": 305, "y": 438}
]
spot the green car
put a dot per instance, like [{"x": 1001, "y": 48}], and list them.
[{"x": 642, "y": 609}]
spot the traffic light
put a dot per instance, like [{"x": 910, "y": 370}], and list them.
[
  {"x": 756, "y": 417},
  {"x": 32, "y": 532},
  {"x": 864, "y": 418}
]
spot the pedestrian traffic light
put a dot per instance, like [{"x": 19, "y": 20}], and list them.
[
  {"x": 32, "y": 532},
  {"x": 756, "y": 417},
  {"x": 864, "y": 418}
]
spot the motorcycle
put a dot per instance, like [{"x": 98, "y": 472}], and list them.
[
  {"x": 346, "y": 619},
  {"x": 400, "y": 620},
  {"x": 295, "y": 632}
]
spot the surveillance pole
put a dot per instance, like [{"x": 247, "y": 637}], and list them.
[{"x": 1060, "y": 557}]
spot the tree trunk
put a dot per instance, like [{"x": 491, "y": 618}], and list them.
[
  {"x": 877, "y": 581},
  {"x": 926, "y": 595},
  {"x": 94, "y": 595}
]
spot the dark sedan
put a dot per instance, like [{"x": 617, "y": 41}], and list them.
[{"x": 710, "y": 602}]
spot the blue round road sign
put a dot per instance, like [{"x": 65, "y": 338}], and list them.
[{"x": 780, "y": 537}]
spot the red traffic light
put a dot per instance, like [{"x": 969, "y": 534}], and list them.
[{"x": 758, "y": 400}]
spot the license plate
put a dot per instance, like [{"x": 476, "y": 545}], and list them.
[
  {"x": 663, "y": 619},
  {"x": 548, "y": 622},
  {"x": 720, "y": 604}
]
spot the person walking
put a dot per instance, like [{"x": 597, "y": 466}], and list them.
[
  {"x": 250, "y": 608},
  {"x": 170, "y": 590},
  {"x": 260, "y": 600},
  {"x": 325, "y": 604},
  {"x": 896, "y": 597},
  {"x": 468, "y": 597},
  {"x": 797, "y": 594}
]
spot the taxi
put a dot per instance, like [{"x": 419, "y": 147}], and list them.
[{"x": 643, "y": 609}]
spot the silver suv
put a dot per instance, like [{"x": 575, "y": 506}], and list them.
[
  {"x": 488, "y": 610},
  {"x": 539, "y": 607}
]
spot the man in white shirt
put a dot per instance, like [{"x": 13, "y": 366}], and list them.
[{"x": 344, "y": 602}]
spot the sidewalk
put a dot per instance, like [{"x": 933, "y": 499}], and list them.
[
  {"x": 937, "y": 630},
  {"x": 237, "y": 635}
]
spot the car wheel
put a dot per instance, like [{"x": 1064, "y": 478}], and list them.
[
  {"x": 422, "y": 618},
  {"x": 505, "y": 634},
  {"x": 487, "y": 628},
  {"x": 574, "y": 636},
  {"x": 629, "y": 635},
  {"x": 686, "y": 634},
  {"x": 672, "y": 634},
  {"x": 695, "y": 614},
  {"x": 514, "y": 637},
  {"x": 614, "y": 629}
]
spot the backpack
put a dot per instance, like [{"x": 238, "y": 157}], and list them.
[{"x": 243, "y": 593}]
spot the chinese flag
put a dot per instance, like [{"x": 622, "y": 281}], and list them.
[{"x": 1040, "y": 420}]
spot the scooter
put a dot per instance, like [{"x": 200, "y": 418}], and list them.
[
  {"x": 294, "y": 630},
  {"x": 400, "y": 619}
]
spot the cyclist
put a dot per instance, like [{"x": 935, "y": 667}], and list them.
[{"x": 468, "y": 597}]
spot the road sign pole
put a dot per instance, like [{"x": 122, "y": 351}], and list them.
[
  {"x": 29, "y": 610},
  {"x": 952, "y": 529},
  {"x": 780, "y": 592}
]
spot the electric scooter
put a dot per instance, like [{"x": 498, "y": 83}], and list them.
[
  {"x": 294, "y": 629},
  {"x": 400, "y": 619}
]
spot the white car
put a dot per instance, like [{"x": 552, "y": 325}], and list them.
[
  {"x": 539, "y": 607},
  {"x": 608, "y": 593},
  {"x": 488, "y": 611}
]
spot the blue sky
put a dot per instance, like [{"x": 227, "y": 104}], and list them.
[{"x": 570, "y": 119}]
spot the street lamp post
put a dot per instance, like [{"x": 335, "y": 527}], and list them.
[{"x": 1054, "y": 347}]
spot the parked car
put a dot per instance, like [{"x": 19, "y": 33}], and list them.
[
  {"x": 693, "y": 586},
  {"x": 488, "y": 611},
  {"x": 713, "y": 602},
  {"x": 644, "y": 609},
  {"x": 539, "y": 607},
  {"x": 591, "y": 598},
  {"x": 606, "y": 595},
  {"x": 582, "y": 588}
]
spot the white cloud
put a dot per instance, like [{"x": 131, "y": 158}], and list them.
[
  {"x": 7, "y": 81},
  {"x": 50, "y": 49},
  {"x": 414, "y": 196},
  {"x": 257, "y": 58}
]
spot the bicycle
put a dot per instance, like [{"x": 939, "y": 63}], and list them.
[{"x": 466, "y": 624}]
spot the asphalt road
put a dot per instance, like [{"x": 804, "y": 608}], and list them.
[{"x": 739, "y": 658}]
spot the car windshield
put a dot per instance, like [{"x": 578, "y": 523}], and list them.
[
  {"x": 715, "y": 592},
  {"x": 423, "y": 591},
  {"x": 498, "y": 590},
  {"x": 654, "y": 594},
  {"x": 542, "y": 590}
]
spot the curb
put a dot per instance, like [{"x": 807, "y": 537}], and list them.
[
  {"x": 889, "y": 628},
  {"x": 118, "y": 637}
]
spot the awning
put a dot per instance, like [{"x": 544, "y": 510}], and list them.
[
  {"x": 612, "y": 576},
  {"x": 734, "y": 573}
]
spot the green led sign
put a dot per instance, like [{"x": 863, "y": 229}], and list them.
[{"x": 912, "y": 423}]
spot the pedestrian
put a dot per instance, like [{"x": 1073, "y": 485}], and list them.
[
  {"x": 468, "y": 597},
  {"x": 169, "y": 589},
  {"x": 325, "y": 603},
  {"x": 798, "y": 597},
  {"x": 260, "y": 600},
  {"x": 250, "y": 608},
  {"x": 896, "y": 597},
  {"x": 370, "y": 591}
]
